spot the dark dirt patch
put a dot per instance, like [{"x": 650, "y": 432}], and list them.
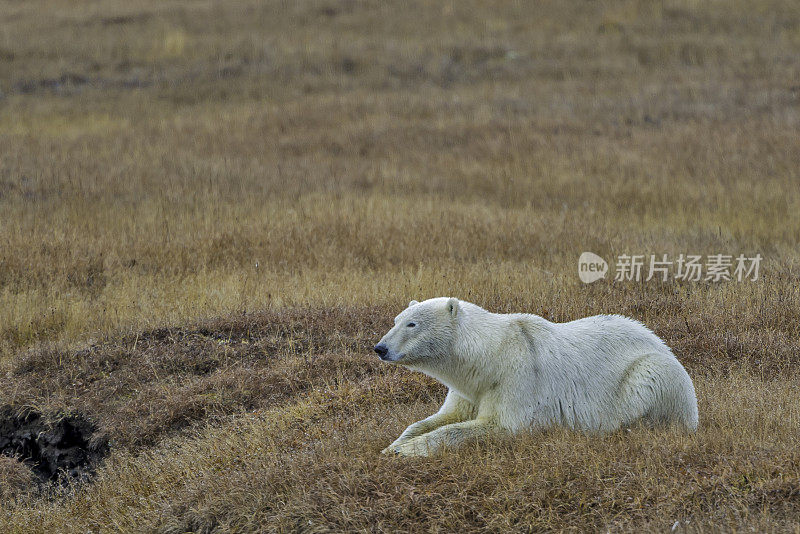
[
  {"x": 70, "y": 83},
  {"x": 64, "y": 82},
  {"x": 51, "y": 447},
  {"x": 119, "y": 20}
]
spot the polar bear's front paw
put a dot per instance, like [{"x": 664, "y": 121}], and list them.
[
  {"x": 412, "y": 447},
  {"x": 392, "y": 448},
  {"x": 399, "y": 450},
  {"x": 389, "y": 450}
]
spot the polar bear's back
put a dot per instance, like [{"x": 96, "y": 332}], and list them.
[{"x": 611, "y": 334}]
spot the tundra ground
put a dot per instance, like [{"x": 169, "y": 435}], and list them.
[{"x": 209, "y": 212}]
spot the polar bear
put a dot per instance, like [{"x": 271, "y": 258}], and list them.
[{"x": 520, "y": 371}]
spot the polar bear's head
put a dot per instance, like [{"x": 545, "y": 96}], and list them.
[{"x": 422, "y": 332}]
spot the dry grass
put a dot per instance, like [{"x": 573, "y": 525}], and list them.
[
  {"x": 16, "y": 478},
  {"x": 209, "y": 211}
]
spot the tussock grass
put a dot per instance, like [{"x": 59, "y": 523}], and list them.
[{"x": 210, "y": 211}]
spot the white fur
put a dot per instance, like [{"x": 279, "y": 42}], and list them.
[{"x": 519, "y": 371}]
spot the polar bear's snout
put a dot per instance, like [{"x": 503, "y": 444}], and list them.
[
  {"x": 382, "y": 350},
  {"x": 385, "y": 353}
]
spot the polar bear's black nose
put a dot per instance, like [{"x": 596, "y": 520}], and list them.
[{"x": 381, "y": 350}]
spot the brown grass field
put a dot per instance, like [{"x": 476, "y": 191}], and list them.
[{"x": 210, "y": 212}]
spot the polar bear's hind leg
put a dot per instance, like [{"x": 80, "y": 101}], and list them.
[{"x": 657, "y": 390}]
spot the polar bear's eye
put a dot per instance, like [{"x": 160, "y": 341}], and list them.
[{"x": 411, "y": 325}]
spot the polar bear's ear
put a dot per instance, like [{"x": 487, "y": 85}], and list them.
[
  {"x": 412, "y": 303},
  {"x": 452, "y": 307}
]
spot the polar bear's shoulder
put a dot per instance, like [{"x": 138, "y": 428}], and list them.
[{"x": 526, "y": 327}]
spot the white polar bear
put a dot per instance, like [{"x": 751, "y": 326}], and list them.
[{"x": 519, "y": 371}]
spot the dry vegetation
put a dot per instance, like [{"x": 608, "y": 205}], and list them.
[{"x": 209, "y": 211}]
